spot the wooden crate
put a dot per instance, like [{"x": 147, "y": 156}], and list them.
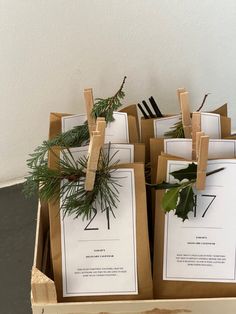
[{"x": 44, "y": 299}]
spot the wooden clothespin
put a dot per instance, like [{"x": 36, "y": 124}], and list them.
[
  {"x": 95, "y": 145},
  {"x": 179, "y": 91},
  {"x": 202, "y": 153},
  {"x": 196, "y": 127},
  {"x": 198, "y": 137},
  {"x": 186, "y": 120},
  {"x": 88, "y": 96},
  {"x": 100, "y": 127}
]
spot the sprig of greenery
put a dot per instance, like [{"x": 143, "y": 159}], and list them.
[
  {"x": 67, "y": 183},
  {"x": 180, "y": 196},
  {"x": 176, "y": 131},
  {"x": 79, "y": 135},
  {"x": 46, "y": 180},
  {"x": 105, "y": 107}
]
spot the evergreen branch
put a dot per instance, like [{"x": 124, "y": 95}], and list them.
[
  {"x": 78, "y": 136},
  {"x": 67, "y": 183},
  {"x": 176, "y": 131},
  {"x": 105, "y": 107}
]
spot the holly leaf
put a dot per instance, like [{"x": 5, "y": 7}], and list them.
[
  {"x": 186, "y": 202},
  {"x": 189, "y": 173},
  {"x": 170, "y": 199}
]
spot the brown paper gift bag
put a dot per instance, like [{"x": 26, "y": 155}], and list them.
[
  {"x": 147, "y": 129},
  {"x": 168, "y": 289},
  {"x": 145, "y": 290},
  {"x": 133, "y": 125},
  {"x": 143, "y": 251},
  {"x": 139, "y": 148}
]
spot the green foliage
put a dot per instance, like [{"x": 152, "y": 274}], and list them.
[
  {"x": 170, "y": 199},
  {"x": 180, "y": 196},
  {"x": 105, "y": 107},
  {"x": 67, "y": 182},
  {"x": 176, "y": 131},
  {"x": 186, "y": 202},
  {"x": 78, "y": 136},
  {"x": 189, "y": 173}
]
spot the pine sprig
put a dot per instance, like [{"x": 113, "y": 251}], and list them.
[
  {"x": 76, "y": 137},
  {"x": 48, "y": 181},
  {"x": 67, "y": 183},
  {"x": 105, "y": 107},
  {"x": 79, "y": 135},
  {"x": 176, "y": 131},
  {"x": 79, "y": 202}
]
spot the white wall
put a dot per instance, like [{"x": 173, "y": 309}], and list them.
[{"x": 50, "y": 50}]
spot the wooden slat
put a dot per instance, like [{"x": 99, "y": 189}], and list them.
[
  {"x": 182, "y": 306},
  {"x": 43, "y": 289}
]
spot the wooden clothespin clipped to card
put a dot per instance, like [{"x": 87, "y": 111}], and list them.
[
  {"x": 88, "y": 96},
  {"x": 179, "y": 91},
  {"x": 196, "y": 127},
  {"x": 186, "y": 120},
  {"x": 95, "y": 145},
  {"x": 202, "y": 144}
]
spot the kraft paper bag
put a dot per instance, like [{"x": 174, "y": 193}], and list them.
[
  {"x": 145, "y": 285},
  {"x": 147, "y": 129},
  {"x": 145, "y": 289},
  {"x": 133, "y": 121},
  {"x": 169, "y": 289},
  {"x": 139, "y": 148},
  {"x": 133, "y": 124}
]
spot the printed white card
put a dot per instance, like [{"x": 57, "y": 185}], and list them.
[
  {"x": 163, "y": 125},
  {"x": 124, "y": 153},
  {"x": 218, "y": 148},
  {"x": 203, "y": 248},
  {"x": 99, "y": 255},
  {"x": 116, "y": 131},
  {"x": 210, "y": 124}
]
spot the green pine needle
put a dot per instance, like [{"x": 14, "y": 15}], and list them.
[
  {"x": 176, "y": 131},
  {"x": 47, "y": 181},
  {"x": 67, "y": 182},
  {"x": 105, "y": 107}
]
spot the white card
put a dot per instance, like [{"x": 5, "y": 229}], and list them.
[
  {"x": 210, "y": 124},
  {"x": 163, "y": 125},
  {"x": 203, "y": 248},
  {"x": 122, "y": 152},
  {"x": 182, "y": 147},
  {"x": 116, "y": 131},
  {"x": 99, "y": 256}
]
